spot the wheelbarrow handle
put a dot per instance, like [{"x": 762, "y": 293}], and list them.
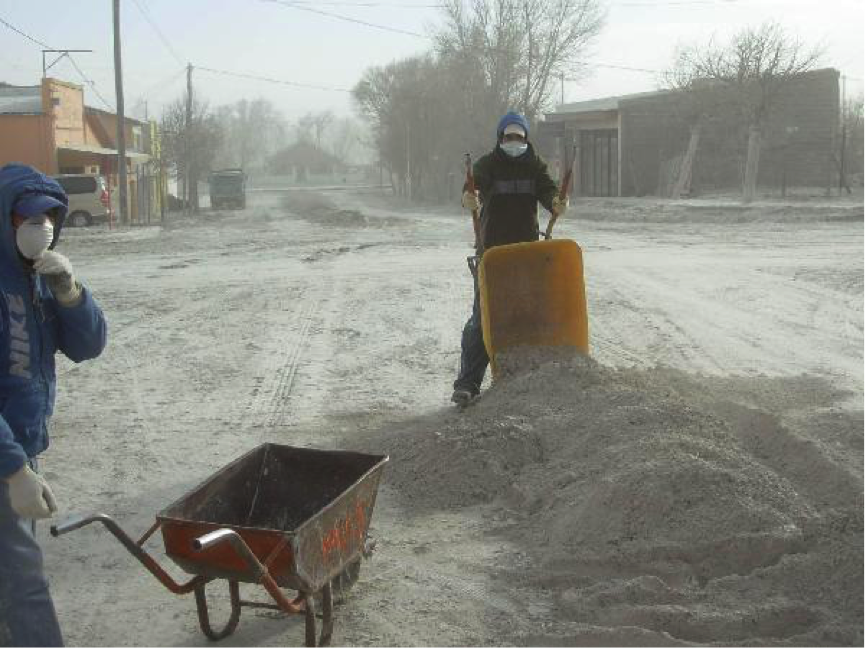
[
  {"x": 134, "y": 548},
  {"x": 76, "y": 522}
]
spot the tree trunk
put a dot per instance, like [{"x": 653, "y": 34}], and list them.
[
  {"x": 752, "y": 164},
  {"x": 193, "y": 189},
  {"x": 684, "y": 181}
]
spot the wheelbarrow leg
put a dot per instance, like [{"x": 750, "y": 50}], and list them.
[
  {"x": 326, "y": 616},
  {"x": 204, "y": 616},
  {"x": 309, "y": 607}
]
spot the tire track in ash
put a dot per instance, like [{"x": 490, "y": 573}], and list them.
[{"x": 271, "y": 400}]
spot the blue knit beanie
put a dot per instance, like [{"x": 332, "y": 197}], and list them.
[{"x": 511, "y": 118}]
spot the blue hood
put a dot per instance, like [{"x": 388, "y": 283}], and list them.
[
  {"x": 507, "y": 120},
  {"x": 17, "y": 180}
]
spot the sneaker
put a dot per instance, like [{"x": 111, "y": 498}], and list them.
[{"x": 463, "y": 397}]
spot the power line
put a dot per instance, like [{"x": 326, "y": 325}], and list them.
[
  {"x": 89, "y": 82},
  {"x": 611, "y": 66},
  {"x": 285, "y": 3},
  {"x": 364, "y": 5},
  {"x": 30, "y": 38},
  {"x": 149, "y": 19},
  {"x": 674, "y": 3},
  {"x": 69, "y": 56},
  {"x": 254, "y": 77},
  {"x": 164, "y": 84}
]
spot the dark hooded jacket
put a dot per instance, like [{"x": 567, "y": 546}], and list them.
[
  {"x": 33, "y": 327},
  {"x": 510, "y": 190}
]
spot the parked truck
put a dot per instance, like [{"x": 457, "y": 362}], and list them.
[{"x": 227, "y": 189}]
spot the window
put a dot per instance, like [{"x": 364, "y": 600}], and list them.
[{"x": 80, "y": 185}]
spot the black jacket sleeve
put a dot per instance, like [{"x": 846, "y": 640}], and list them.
[{"x": 545, "y": 186}]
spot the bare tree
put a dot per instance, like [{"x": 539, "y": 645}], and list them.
[
  {"x": 312, "y": 126},
  {"x": 191, "y": 148},
  {"x": 344, "y": 139},
  {"x": 253, "y": 131},
  {"x": 521, "y": 46},
  {"x": 751, "y": 69}
]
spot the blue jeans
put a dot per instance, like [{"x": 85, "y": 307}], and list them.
[
  {"x": 27, "y": 616},
  {"x": 473, "y": 359}
]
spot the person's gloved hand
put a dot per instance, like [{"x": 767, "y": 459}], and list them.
[
  {"x": 30, "y": 496},
  {"x": 560, "y": 205},
  {"x": 471, "y": 202},
  {"x": 58, "y": 275}
]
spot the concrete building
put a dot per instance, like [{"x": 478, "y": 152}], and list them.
[
  {"x": 48, "y": 127},
  {"x": 637, "y": 144}
]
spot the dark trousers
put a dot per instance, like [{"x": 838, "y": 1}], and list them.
[
  {"x": 473, "y": 359},
  {"x": 27, "y": 616}
]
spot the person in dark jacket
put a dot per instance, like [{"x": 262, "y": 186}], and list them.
[
  {"x": 43, "y": 309},
  {"x": 510, "y": 182}
]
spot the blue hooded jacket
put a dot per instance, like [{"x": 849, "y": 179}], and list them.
[{"x": 33, "y": 327}]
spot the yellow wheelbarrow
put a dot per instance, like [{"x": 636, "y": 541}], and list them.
[{"x": 533, "y": 295}]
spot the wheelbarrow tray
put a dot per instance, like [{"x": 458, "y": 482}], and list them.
[
  {"x": 533, "y": 294},
  {"x": 304, "y": 513}
]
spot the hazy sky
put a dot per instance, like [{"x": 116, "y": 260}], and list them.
[{"x": 270, "y": 39}]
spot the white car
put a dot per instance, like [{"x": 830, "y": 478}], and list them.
[{"x": 89, "y": 199}]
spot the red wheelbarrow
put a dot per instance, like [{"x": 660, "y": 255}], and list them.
[{"x": 284, "y": 517}]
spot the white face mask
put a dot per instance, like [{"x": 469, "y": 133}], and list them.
[
  {"x": 514, "y": 149},
  {"x": 34, "y": 236}
]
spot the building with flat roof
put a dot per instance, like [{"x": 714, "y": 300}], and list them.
[
  {"x": 47, "y": 126},
  {"x": 638, "y": 144}
]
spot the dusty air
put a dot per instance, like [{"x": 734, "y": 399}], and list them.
[{"x": 431, "y": 323}]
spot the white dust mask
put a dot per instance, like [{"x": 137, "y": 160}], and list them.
[
  {"x": 514, "y": 149},
  {"x": 34, "y": 236}
]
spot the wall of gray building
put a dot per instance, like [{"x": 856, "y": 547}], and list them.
[{"x": 799, "y": 139}]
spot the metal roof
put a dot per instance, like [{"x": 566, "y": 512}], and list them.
[{"x": 17, "y": 100}]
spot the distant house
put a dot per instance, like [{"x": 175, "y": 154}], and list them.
[
  {"x": 48, "y": 127},
  {"x": 303, "y": 159},
  {"x": 634, "y": 145}
]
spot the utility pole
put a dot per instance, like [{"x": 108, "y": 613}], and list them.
[
  {"x": 121, "y": 120},
  {"x": 563, "y": 87},
  {"x": 186, "y": 140}
]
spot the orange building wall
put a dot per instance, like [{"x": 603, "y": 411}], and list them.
[
  {"x": 65, "y": 103},
  {"x": 26, "y": 139}
]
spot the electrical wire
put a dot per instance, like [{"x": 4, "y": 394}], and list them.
[
  {"x": 365, "y": 5},
  {"x": 152, "y": 23},
  {"x": 254, "y": 77},
  {"x": 395, "y": 30},
  {"x": 164, "y": 84},
  {"x": 90, "y": 82},
  {"x": 30, "y": 38},
  {"x": 87, "y": 80}
]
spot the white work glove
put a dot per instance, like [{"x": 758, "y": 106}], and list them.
[
  {"x": 560, "y": 205},
  {"x": 58, "y": 275},
  {"x": 30, "y": 496},
  {"x": 471, "y": 202}
]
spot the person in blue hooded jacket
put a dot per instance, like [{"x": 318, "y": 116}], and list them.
[
  {"x": 43, "y": 309},
  {"x": 510, "y": 181}
]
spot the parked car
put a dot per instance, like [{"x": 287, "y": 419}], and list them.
[
  {"x": 227, "y": 188},
  {"x": 89, "y": 199}
]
